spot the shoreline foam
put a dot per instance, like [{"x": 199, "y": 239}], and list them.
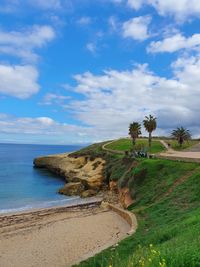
[{"x": 76, "y": 203}]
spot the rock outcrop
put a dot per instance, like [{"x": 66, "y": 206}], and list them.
[
  {"x": 125, "y": 197},
  {"x": 84, "y": 177},
  {"x": 72, "y": 189}
]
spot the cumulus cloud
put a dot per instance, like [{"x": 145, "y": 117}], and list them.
[
  {"x": 22, "y": 44},
  {"x": 175, "y": 43},
  {"x": 18, "y": 81},
  {"x": 43, "y": 128},
  {"x": 180, "y": 9},
  {"x": 27, "y": 125},
  {"x": 115, "y": 98},
  {"x": 137, "y": 28},
  {"x": 108, "y": 102}
]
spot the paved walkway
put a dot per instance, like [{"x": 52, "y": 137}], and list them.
[{"x": 191, "y": 155}]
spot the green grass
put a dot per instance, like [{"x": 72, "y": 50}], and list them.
[
  {"x": 170, "y": 222},
  {"x": 126, "y": 144},
  {"x": 186, "y": 145}
]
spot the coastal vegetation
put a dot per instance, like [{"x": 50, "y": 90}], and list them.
[
  {"x": 187, "y": 144},
  {"x": 124, "y": 144},
  {"x": 165, "y": 197},
  {"x": 134, "y": 132},
  {"x": 181, "y": 135},
  {"x": 166, "y": 202},
  {"x": 150, "y": 125}
]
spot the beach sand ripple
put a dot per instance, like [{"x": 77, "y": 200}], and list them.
[{"x": 53, "y": 238}]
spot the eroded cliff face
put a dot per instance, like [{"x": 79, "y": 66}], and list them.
[
  {"x": 124, "y": 196},
  {"x": 84, "y": 176}
]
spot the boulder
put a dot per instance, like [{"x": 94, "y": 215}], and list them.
[
  {"x": 89, "y": 193},
  {"x": 72, "y": 189}
]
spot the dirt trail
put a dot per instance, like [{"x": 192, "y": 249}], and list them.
[{"x": 169, "y": 148}]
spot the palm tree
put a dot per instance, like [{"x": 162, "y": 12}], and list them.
[
  {"x": 181, "y": 134},
  {"x": 134, "y": 131},
  {"x": 150, "y": 125}
]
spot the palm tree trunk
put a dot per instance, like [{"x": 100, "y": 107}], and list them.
[
  {"x": 150, "y": 140},
  {"x": 133, "y": 143}
]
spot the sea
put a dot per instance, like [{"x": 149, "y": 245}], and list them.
[{"x": 23, "y": 187}]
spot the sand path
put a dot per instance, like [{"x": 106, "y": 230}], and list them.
[
  {"x": 191, "y": 154},
  {"x": 58, "y": 239}
]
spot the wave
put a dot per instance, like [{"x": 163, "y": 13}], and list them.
[{"x": 47, "y": 204}]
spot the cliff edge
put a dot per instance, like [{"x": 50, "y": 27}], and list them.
[{"x": 84, "y": 176}]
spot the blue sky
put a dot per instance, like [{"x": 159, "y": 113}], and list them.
[{"x": 79, "y": 71}]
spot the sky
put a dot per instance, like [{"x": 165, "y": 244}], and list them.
[{"x": 80, "y": 71}]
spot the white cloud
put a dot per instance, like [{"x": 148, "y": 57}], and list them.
[
  {"x": 18, "y": 81},
  {"x": 42, "y": 129},
  {"x": 84, "y": 21},
  {"x": 175, "y": 43},
  {"x": 91, "y": 47},
  {"x": 137, "y": 28},
  {"x": 180, "y": 9},
  {"x": 115, "y": 98},
  {"x": 22, "y": 44},
  {"x": 110, "y": 101},
  {"x": 51, "y": 99},
  {"x": 136, "y": 4},
  {"x": 27, "y": 125},
  {"x": 113, "y": 23}
]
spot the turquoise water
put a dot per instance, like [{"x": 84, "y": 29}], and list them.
[{"x": 22, "y": 186}]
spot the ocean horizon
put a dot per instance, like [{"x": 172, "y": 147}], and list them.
[{"x": 23, "y": 187}]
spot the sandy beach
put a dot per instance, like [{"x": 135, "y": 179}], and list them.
[{"x": 57, "y": 237}]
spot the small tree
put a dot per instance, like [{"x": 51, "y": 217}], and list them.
[
  {"x": 150, "y": 125},
  {"x": 134, "y": 132},
  {"x": 181, "y": 134}
]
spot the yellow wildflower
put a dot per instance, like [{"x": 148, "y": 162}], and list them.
[{"x": 153, "y": 251}]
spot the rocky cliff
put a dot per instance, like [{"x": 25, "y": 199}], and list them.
[{"x": 84, "y": 176}]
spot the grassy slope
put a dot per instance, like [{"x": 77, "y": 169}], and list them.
[
  {"x": 125, "y": 144},
  {"x": 186, "y": 145},
  {"x": 170, "y": 222}
]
